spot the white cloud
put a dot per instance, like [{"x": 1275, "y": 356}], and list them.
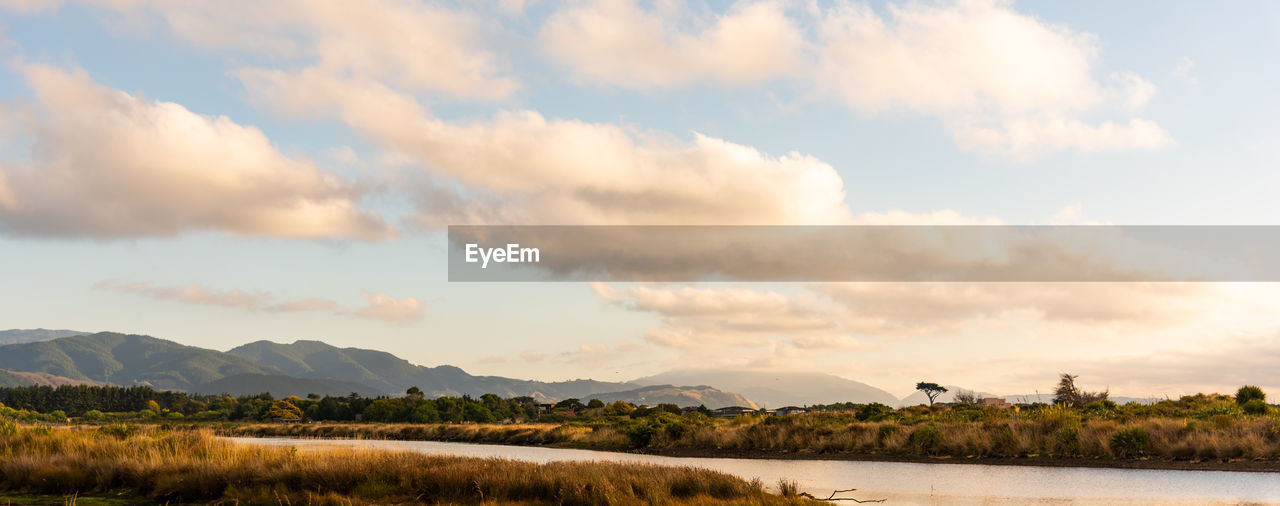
[
  {"x": 385, "y": 307},
  {"x": 1004, "y": 83},
  {"x": 416, "y": 46},
  {"x": 851, "y": 316},
  {"x": 521, "y": 167},
  {"x": 618, "y": 43},
  {"x": 106, "y": 164}
]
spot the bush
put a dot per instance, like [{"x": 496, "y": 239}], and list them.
[
  {"x": 926, "y": 439},
  {"x": 1255, "y": 407},
  {"x": 1131, "y": 442},
  {"x": 1101, "y": 407},
  {"x": 1248, "y": 393},
  {"x": 94, "y": 415},
  {"x": 119, "y": 430}
]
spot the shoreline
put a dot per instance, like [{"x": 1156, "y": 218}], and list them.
[{"x": 1252, "y": 466}]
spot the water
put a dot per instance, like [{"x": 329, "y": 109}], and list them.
[{"x": 904, "y": 483}]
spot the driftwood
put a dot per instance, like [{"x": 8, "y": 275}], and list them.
[{"x": 833, "y": 497}]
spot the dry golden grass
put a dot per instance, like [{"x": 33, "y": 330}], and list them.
[
  {"x": 195, "y": 466},
  {"x": 1051, "y": 434}
]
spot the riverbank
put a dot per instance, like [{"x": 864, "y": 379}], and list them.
[
  {"x": 604, "y": 438},
  {"x": 196, "y": 466}
]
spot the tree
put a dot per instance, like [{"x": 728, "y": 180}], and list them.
[
  {"x": 571, "y": 404},
  {"x": 595, "y": 403},
  {"x": 931, "y": 390},
  {"x": 1248, "y": 393},
  {"x": 966, "y": 396},
  {"x": 1069, "y": 394},
  {"x": 414, "y": 393},
  {"x": 282, "y": 409}
]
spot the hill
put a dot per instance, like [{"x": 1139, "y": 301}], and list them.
[
  {"x": 680, "y": 396},
  {"x": 390, "y": 374},
  {"x": 23, "y": 379},
  {"x": 17, "y": 336},
  {"x": 126, "y": 359},
  {"x": 776, "y": 389},
  {"x": 281, "y": 386}
]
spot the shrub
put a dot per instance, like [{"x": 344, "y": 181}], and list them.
[
  {"x": 1255, "y": 407},
  {"x": 926, "y": 439},
  {"x": 872, "y": 412},
  {"x": 1102, "y": 407},
  {"x": 1248, "y": 393},
  {"x": 94, "y": 415},
  {"x": 1131, "y": 442},
  {"x": 119, "y": 430},
  {"x": 8, "y": 428},
  {"x": 641, "y": 432}
]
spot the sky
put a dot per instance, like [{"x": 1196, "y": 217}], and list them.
[{"x": 225, "y": 172}]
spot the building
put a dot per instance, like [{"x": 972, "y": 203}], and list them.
[
  {"x": 790, "y": 410},
  {"x": 994, "y": 402},
  {"x": 732, "y": 411}
]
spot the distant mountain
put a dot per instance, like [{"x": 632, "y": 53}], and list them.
[
  {"x": 680, "y": 396},
  {"x": 126, "y": 360},
  {"x": 24, "y": 379},
  {"x": 300, "y": 368},
  {"x": 17, "y": 336},
  {"x": 777, "y": 389},
  {"x": 919, "y": 398},
  {"x": 390, "y": 374},
  {"x": 282, "y": 386}
]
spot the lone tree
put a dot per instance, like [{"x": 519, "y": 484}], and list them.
[
  {"x": 1068, "y": 393},
  {"x": 966, "y": 396},
  {"x": 932, "y": 390}
]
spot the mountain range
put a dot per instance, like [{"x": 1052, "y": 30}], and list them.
[
  {"x": 775, "y": 389},
  {"x": 300, "y": 368},
  {"x": 16, "y": 336}
]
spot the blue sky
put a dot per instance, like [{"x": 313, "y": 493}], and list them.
[{"x": 1204, "y": 73}]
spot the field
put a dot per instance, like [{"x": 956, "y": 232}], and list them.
[{"x": 117, "y": 463}]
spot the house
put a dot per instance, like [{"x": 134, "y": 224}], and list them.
[
  {"x": 994, "y": 402},
  {"x": 732, "y": 411},
  {"x": 545, "y": 408},
  {"x": 790, "y": 410}
]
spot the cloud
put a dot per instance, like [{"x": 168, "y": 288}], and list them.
[
  {"x": 1218, "y": 364},
  {"x": 106, "y": 164},
  {"x": 592, "y": 356},
  {"x": 1004, "y": 83},
  {"x": 717, "y": 318},
  {"x": 619, "y": 43},
  {"x": 385, "y": 307},
  {"x": 418, "y": 46},
  {"x": 853, "y": 316},
  {"x": 380, "y": 306},
  {"x": 521, "y": 167}
]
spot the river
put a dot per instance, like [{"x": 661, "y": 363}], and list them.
[{"x": 904, "y": 483}]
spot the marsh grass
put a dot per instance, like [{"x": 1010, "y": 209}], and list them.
[
  {"x": 196, "y": 466},
  {"x": 1048, "y": 433}
]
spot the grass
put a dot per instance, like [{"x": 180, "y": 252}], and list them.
[
  {"x": 195, "y": 466},
  {"x": 1046, "y": 434}
]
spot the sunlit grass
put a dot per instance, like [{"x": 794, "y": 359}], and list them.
[{"x": 195, "y": 466}]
